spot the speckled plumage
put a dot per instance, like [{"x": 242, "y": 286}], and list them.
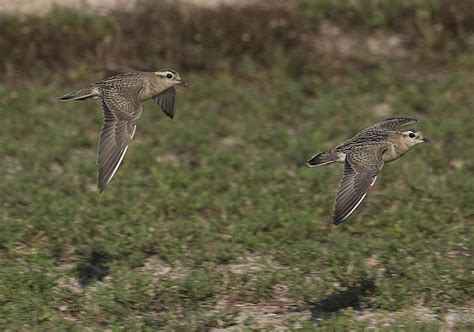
[
  {"x": 364, "y": 156},
  {"x": 120, "y": 97}
]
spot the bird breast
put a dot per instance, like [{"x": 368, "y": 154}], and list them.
[
  {"x": 146, "y": 92},
  {"x": 393, "y": 152}
]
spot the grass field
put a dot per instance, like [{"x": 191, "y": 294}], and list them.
[{"x": 213, "y": 221}]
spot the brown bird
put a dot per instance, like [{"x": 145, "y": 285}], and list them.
[
  {"x": 363, "y": 157},
  {"x": 120, "y": 97}
]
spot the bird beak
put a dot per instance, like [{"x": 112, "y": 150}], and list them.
[
  {"x": 183, "y": 82},
  {"x": 425, "y": 140}
]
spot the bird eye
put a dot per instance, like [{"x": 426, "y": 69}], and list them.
[
  {"x": 411, "y": 135},
  {"x": 169, "y": 76}
]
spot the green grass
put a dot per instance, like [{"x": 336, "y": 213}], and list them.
[{"x": 213, "y": 219}]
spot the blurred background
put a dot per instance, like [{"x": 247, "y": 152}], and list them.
[{"x": 213, "y": 222}]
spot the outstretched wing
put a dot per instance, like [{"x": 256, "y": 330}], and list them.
[
  {"x": 167, "y": 101},
  {"x": 361, "y": 168},
  {"x": 392, "y": 124},
  {"x": 121, "y": 110}
]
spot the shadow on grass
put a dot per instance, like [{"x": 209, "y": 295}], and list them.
[
  {"x": 351, "y": 297},
  {"x": 93, "y": 268}
]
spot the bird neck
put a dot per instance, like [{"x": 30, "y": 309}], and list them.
[
  {"x": 397, "y": 147},
  {"x": 152, "y": 85}
]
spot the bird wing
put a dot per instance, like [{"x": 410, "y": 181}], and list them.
[
  {"x": 167, "y": 101},
  {"x": 361, "y": 168},
  {"x": 392, "y": 124},
  {"x": 121, "y": 109}
]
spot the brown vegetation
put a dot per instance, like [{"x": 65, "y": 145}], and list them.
[{"x": 311, "y": 36}]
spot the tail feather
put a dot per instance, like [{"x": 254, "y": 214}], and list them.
[
  {"x": 322, "y": 158},
  {"x": 86, "y": 92}
]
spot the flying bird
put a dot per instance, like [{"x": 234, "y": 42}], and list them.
[
  {"x": 363, "y": 156},
  {"x": 120, "y": 97}
]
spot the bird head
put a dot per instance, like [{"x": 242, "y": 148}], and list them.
[
  {"x": 171, "y": 78},
  {"x": 413, "y": 137}
]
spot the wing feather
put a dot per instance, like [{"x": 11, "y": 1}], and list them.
[
  {"x": 361, "y": 168},
  {"x": 392, "y": 123},
  {"x": 167, "y": 101},
  {"x": 121, "y": 110}
]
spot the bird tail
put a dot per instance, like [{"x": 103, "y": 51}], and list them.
[
  {"x": 86, "y": 92},
  {"x": 323, "y": 158}
]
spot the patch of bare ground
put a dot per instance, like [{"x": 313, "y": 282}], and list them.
[
  {"x": 449, "y": 319},
  {"x": 379, "y": 45},
  {"x": 229, "y": 142},
  {"x": 461, "y": 315},
  {"x": 250, "y": 264},
  {"x": 159, "y": 269},
  {"x": 277, "y": 312},
  {"x": 170, "y": 159},
  {"x": 264, "y": 315},
  {"x": 13, "y": 167},
  {"x": 69, "y": 283},
  {"x": 388, "y": 318}
]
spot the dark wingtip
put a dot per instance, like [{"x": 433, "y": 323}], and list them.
[
  {"x": 337, "y": 221},
  {"x": 323, "y": 158},
  {"x": 65, "y": 98},
  {"x": 312, "y": 161}
]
